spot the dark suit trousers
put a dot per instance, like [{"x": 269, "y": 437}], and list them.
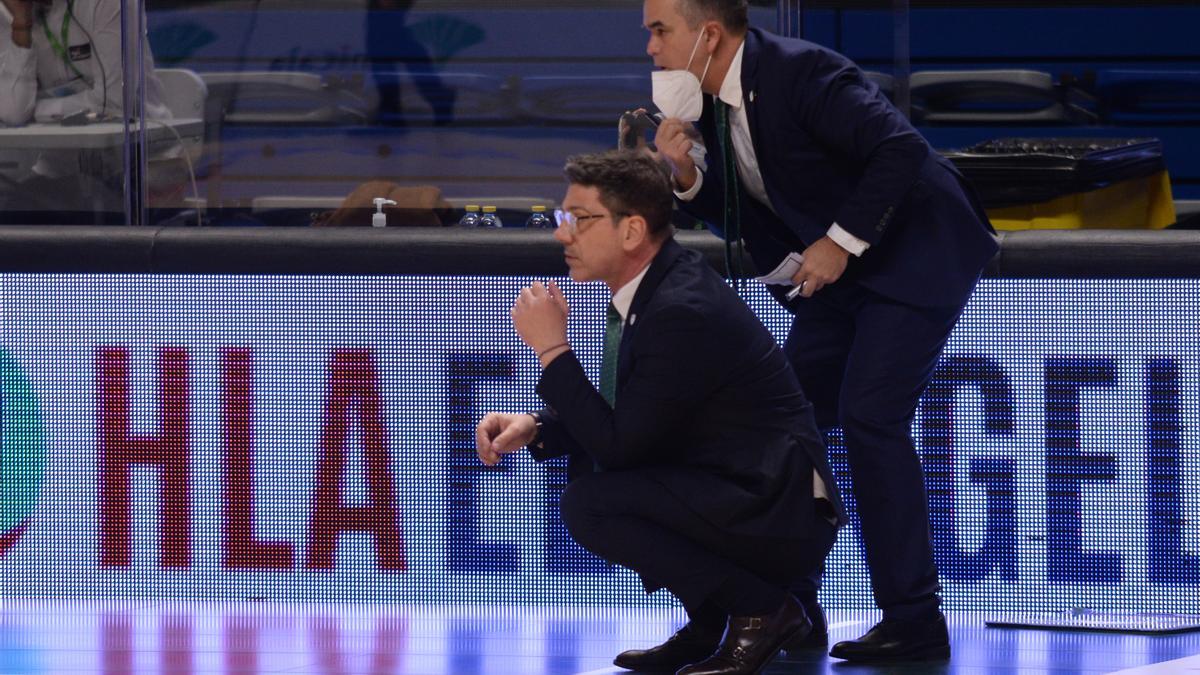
[
  {"x": 864, "y": 361},
  {"x": 629, "y": 519}
]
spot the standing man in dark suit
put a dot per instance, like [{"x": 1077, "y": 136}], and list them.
[
  {"x": 697, "y": 463},
  {"x": 802, "y": 154}
]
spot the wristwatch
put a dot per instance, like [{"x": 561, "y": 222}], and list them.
[{"x": 537, "y": 421}]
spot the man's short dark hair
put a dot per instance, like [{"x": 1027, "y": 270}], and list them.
[
  {"x": 733, "y": 14},
  {"x": 631, "y": 182}
]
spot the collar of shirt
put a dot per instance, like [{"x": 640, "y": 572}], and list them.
[
  {"x": 731, "y": 87},
  {"x": 623, "y": 298}
]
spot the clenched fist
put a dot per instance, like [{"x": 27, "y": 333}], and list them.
[{"x": 498, "y": 434}]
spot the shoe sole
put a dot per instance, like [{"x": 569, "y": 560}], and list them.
[
  {"x": 934, "y": 654},
  {"x": 645, "y": 669},
  {"x": 649, "y": 669}
]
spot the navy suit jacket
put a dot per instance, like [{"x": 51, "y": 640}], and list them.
[
  {"x": 832, "y": 148},
  {"x": 706, "y": 404}
]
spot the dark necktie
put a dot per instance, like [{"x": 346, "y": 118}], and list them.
[
  {"x": 732, "y": 225},
  {"x": 612, "y": 347}
]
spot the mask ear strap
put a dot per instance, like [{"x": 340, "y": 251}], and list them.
[{"x": 706, "y": 65}]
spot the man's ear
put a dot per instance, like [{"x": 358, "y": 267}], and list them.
[
  {"x": 713, "y": 32},
  {"x": 636, "y": 232}
]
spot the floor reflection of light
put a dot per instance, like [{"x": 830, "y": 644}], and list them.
[{"x": 148, "y": 637}]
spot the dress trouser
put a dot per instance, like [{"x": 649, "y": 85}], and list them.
[
  {"x": 630, "y": 519},
  {"x": 864, "y": 361}
]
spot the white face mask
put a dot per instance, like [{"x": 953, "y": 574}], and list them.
[{"x": 677, "y": 92}]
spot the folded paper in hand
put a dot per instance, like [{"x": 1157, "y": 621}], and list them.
[{"x": 785, "y": 271}]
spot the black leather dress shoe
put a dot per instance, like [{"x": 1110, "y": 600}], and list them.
[
  {"x": 688, "y": 645},
  {"x": 750, "y": 642},
  {"x": 898, "y": 640},
  {"x": 818, "y": 637}
]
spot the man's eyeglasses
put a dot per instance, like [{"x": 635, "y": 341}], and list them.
[{"x": 574, "y": 223}]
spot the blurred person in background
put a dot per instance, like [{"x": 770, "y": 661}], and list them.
[
  {"x": 390, "y": 43},
  {"x": 61, "y": 62}
]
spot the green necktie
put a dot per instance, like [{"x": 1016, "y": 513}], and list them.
[
  {"x": 732, "y": 225},
  {"x": 612, "y": 347}
]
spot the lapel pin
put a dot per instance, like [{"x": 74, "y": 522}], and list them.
[
  {"x": 632, "y": 318},
  {"x": 752, "y": 97}
]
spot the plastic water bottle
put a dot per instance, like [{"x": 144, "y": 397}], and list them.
[
  {"x": 538, "y": 219},
  {"x": 490, "y": 218},
  {"x": 471, "y": 217}
]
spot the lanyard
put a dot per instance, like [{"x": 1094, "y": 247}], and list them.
[{"x": 59, "y": 45}]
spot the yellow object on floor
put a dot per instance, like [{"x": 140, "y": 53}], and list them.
[{"x": 1138, "y": 204}]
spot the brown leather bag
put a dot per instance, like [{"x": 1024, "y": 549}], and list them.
[{"x": 416, "y": 206}]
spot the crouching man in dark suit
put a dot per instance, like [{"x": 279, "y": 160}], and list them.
[{"x": 697, "y": 462}]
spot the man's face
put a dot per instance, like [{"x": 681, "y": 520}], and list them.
[
  {"x": 671, "y": 41},
  {"x": 594, "y": 251}
]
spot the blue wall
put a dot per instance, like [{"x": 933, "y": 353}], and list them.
[{"x": 517, "y": 63}]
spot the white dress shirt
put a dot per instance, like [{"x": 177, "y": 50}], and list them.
[
  {"x": 623, "y": 298},
  {"x": 747, "y": 160}
]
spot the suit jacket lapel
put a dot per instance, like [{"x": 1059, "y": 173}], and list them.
[
  {"x": 659, "y": 267},
  {"x": 750, "y": 53}
]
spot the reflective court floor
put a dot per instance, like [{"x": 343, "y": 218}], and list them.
[{"x": 207, "y": 638}]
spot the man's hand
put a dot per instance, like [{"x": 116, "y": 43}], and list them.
[
  {"x": 540, "y": 317},
  {"x": 674, "y": 142},
  {"x": 824, "y": 263},
  {"x": 22, "y": 25},
  {"x": 629, "y": 130},
  {"x": 498, "y": 434}
]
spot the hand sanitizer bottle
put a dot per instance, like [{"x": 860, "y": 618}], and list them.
[{"x": 379, "y": 218}]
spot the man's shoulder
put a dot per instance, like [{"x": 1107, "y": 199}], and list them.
[
  {"x": 691, "y": 287},
  {"x": 689, "y": 270},
  {"x": 784, "y": 51}
]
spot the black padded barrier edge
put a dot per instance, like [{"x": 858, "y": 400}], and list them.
[{"x": 1058, "y": 254}]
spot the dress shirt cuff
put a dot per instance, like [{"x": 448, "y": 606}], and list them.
[
  {"x": 846, "y": 240},
  {"x": 690, "y": 194},
  {"x": 819, "y": 490}
]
